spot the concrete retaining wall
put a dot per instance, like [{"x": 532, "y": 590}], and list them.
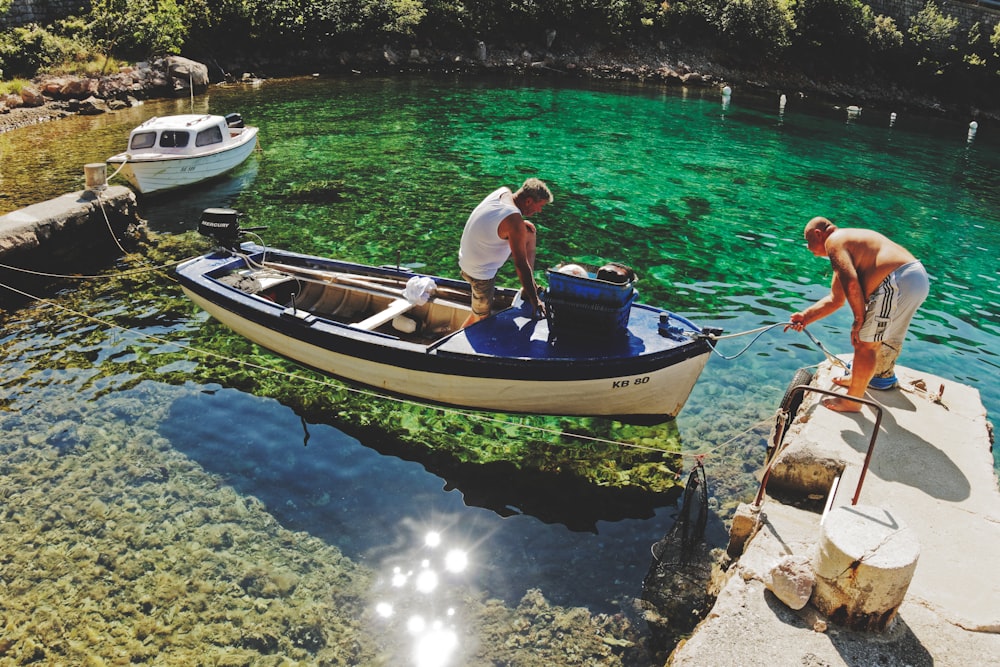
[
  {"x": 967, "y": 13},
  {"x": 42, "y": 12},
  {"x": 67, "y": 224}
]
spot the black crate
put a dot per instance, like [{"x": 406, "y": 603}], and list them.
[{"x": 571, "y": 318}]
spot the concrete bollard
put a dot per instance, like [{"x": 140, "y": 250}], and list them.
[
  {"x": 864, "y": 563},
  {"x": 96, "y": 176}
]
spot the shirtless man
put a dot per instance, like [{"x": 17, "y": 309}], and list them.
[
  {"x": 496, "y": 230},
  {"x": 883, "y": 284}
]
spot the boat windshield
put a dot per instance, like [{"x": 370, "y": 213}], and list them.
[
  {"x": 212, "y": 135},
  {"x": 173, "y": 139}
]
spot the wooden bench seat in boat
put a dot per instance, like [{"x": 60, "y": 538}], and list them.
[{"x": 394, "y": 309}]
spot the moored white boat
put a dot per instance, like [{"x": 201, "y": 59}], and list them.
[
  {"x": 170, "y": 152},
  {"x": 401, "y": 332}
]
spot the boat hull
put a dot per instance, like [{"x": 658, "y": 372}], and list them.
[
  {"x": 149, "y": 173},
  {"x": 507, "y": 363}
]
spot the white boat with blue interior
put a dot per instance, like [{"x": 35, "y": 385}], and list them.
[{"x": 598, "y": 353}]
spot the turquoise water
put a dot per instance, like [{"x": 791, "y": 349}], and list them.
[{"x": 707, "y": 201}]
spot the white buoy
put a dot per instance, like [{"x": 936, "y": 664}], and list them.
[
  {"x": 727, "y": 91},
  {"x": 973, "y": 126},
  {"x": 781, "y": 101},
  {"x": 96, "y": 176},
  {"x": 892, "y": 119}
]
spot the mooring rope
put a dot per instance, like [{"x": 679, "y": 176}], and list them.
[
  {"x": 760, "y": 331},
  {"x": 107, "y": 221},
  {"x": 124, "y": 162},
  {"x": 105, "y": 276}
]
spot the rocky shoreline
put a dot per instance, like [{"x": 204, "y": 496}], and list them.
[{"x": 53, "y": 97}]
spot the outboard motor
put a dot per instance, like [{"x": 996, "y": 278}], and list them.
[
  {"x": 234, "y": 120},
  {"x": 223, "y": 226}
]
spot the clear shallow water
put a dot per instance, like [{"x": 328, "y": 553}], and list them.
[{"x": 707, "y": 202}]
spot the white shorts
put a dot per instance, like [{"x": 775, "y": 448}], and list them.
[{"x": 893, "y": 303}]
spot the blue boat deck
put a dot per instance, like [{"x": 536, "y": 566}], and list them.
[{"x": 512, "y": 333}]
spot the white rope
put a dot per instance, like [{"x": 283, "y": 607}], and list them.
[
  {"x": 105, "y": 276},
  {"x": 759, "y": 331},
  {"x": 124, "y": 162}
]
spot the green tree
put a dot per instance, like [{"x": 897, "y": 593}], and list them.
[
  {"x": 995, "y": 43},
  {"x": 137, "y": 29},
  {"x": 760, "y": 29},
  {"x": 29, "y": 49},
  {"x": 932, "y": 35},
  {"x": 834, "y": 32},
  {"x": 697, "y": 20}
]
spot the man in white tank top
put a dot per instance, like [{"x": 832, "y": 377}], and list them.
[{"x": 497, "y": 229}]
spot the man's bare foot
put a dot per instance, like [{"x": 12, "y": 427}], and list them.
[
  {"x": 843, "y": 381},
  {"x": 842, "y": 404}
]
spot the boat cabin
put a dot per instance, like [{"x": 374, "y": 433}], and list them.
[{"x": 183, "y": 134}]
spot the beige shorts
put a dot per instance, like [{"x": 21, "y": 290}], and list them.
[{"x": 482, "y": 294}]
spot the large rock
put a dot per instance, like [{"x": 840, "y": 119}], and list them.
[
  {"x": 92, "y": 106},
  {"x": 74, "y": 88},
  {"x": 792, "y": 580},
  {"x": 31, "y": 96},
  {"x": 185, "y": 74}
]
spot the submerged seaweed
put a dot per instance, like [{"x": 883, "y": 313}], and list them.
[{"x": 123, "y": 550}]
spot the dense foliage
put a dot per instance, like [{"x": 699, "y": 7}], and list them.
[{"x": 826, "y": 38}]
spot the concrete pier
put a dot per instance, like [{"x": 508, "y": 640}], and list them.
[
  {"x": 929, "y": 571},
  {"x": 74, "y": 221}
]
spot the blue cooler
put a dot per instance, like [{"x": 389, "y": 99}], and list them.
[{"x": 577, "y": 306}]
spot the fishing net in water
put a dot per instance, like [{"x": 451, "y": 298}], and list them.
[
  {"x": 677, "y": 546},
  {"x": 675, "y": 590}
]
